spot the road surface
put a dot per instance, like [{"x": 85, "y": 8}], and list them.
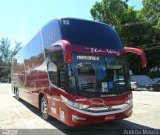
[{"x": 18, "y": 118}]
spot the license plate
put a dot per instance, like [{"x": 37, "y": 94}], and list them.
[{"x": 111, "y": 117}]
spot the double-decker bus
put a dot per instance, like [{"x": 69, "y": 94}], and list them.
[{"x": 76, "y": 71}]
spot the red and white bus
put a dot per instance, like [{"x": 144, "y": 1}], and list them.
[{"x": 76, "y": 71}]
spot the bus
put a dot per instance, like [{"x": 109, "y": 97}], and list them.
[{"x": 76, "y": 71}]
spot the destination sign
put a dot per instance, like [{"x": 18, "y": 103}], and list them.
[{"x": 87, "y": 58}]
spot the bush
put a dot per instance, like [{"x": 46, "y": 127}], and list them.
[{"x": 154, "y": 74}]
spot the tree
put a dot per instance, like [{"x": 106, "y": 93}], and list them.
[
  {"x": 6, "y": 52},
  {"x": 113, "y": 12},
  {"x": 4, "y": 49},
  {"x": 151, "y": 11},
  {"x": 6, "y": 55},
  {"x": 16, "y": 48}
]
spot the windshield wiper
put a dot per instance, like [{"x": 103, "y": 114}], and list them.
[{"x": 87, "y": 86}]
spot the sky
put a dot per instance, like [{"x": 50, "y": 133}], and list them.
[{"x": 22, "y": 19}]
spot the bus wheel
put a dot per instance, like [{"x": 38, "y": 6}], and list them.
[
  {"x": 151, "y": 88},
  {"x": 44, "y": 108},
  {"x": 17, "y": 94}
]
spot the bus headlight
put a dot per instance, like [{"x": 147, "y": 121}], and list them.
[
  {"x": 129, "y": 101},
  {"x": 76, "y": 105}
]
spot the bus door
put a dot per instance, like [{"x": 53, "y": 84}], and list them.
[{"x": 57, "y": 82}]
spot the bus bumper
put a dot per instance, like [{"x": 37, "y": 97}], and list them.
[{"x": 76, "y": 118}]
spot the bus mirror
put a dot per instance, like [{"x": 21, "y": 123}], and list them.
[
  {"x": 67, "y": 49},
  {"x": 139, "y": 52}
]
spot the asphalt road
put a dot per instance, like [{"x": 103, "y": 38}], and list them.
[{"x": 20, "y": 118}]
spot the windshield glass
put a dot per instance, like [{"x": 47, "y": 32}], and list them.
[
  {"x": 86, "y": 76},
  {"x": 98, "y": 74},
  {"x": 89, "y": 33}
]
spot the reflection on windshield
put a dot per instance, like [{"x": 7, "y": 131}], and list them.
[
  {"x": 86, "y": 77},
  {"x": 102, "y": 75},
  {"x": 116, "y": 72}
]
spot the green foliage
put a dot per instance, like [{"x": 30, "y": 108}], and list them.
[
  {"x": 4, "y": 49},
  {"x": 112, "y": 12},
  {"x": 154, "y": 74},
  {"x": 151, "y": 11},
  {"x": 6, "y": 55}
]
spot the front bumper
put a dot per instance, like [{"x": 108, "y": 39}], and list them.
[{"x": 79, "y": 118}]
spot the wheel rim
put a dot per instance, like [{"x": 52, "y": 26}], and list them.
[
  {"x": 17, "y": 94},
  {"x": 151, "y": 88},
  {"x": 44, "y": 106}
]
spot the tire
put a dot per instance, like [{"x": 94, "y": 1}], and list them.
[
  {"x": 17, "y": 94},
  {"x": 151, "y": 89},
  {"x": 44, "y": 108}
]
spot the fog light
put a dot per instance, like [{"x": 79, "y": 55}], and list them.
[{"x": 76, "y": 118}]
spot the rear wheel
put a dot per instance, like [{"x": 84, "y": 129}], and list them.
[
  {"x": 44, "y": 108},
  {"x": 151, "y": 88},
  {"x": 17, "y": 93}
]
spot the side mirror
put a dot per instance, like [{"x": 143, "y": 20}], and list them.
[{"x": 139, "y": 52}]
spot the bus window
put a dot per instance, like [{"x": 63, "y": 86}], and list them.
[
  {"x": 50, "y": 34},
  {"x": 52, "y": 72},
  {"x": 86, "y": 76},
  {"x": 56, "y": 68},
  {"x": 117, "y": 73}
]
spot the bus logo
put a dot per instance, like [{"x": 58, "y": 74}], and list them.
[{"x": 97, "y": 101}]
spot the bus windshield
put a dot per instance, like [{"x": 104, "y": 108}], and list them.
[
  {"x": 98, "y": 75},
  {"x": 90, "y": 34}
]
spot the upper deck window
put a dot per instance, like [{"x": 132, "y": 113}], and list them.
[{"x": 90, "y": 34}]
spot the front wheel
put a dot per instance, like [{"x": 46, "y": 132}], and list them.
[{"x": 44, "y": 108}]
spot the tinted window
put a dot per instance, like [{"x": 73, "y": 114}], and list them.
[
  {"x": 33, "y": 58},
  {"x": 85, "y": 69},
  {"x": 98, "y": 75},
  {"x": 56, "y": 68},
  {"x": 86, "y": 76},
  {"x": 18, "y": 69},
  {"x": 33, "y": 49},
  {"x": 50, "y": 33},
  {"x": 90, "y": 34},
  {"x": 117, "y": 72}
]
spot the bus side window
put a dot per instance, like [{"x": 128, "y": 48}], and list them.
[
  {"x": 52, "y": 72},
  {"x": 56, "y": 68}
]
